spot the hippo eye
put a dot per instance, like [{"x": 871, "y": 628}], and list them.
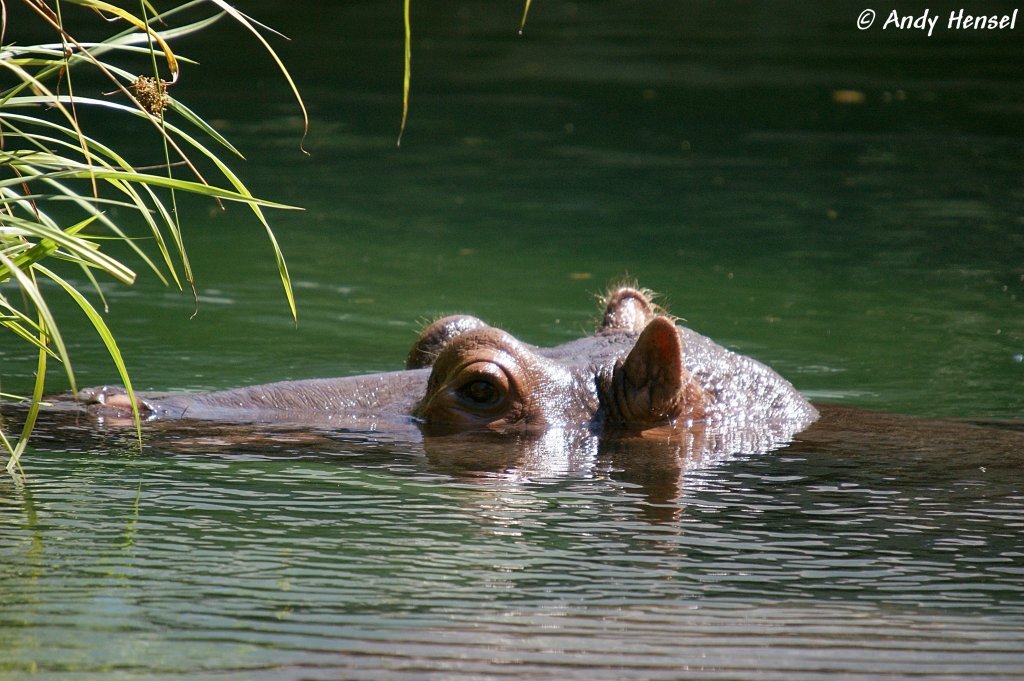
[
  {"x": 480, "y": 392},
  {"x": 482, "y": 387}
]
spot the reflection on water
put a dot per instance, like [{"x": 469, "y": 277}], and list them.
[{"x": 241, "y": 553}]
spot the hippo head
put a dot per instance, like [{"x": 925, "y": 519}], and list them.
[{"x": 630, "y": 374}]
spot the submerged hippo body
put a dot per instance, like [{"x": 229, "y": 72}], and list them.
[{"x": 639, "y": 372}]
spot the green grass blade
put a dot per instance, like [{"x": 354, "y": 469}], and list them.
[
  {"x": 60, "y": 171},
  {"x": 56, "y": 169},
  {"x": 15, "y": 324},
  {"x": 282, "y": 266},
  {"x": 14, "y": 462},
  {"x": 80, "y": 249},
  {"x": 248, "y": 23},
  {"x": 407, "y": 75},
  {"x": 191, "y": 117},
  {"x": 47, "y": 323},
  {"x": 526, "y": 10},
  {"x": 107, "y": 337}
]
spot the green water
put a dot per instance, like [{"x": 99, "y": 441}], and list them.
[{"x": 871, "y": 252}]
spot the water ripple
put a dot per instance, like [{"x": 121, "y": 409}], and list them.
[{"x": 362, "y": 563}]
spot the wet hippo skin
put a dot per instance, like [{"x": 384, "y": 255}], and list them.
[{"x": 639, "y": 371}]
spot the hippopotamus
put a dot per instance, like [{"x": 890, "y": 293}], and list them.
[
  {"x": 640, "y": 372},
  {"x": 643, "y": 400}
]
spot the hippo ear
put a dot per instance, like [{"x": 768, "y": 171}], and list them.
[
  {"x": 651, "y": 385},
  {"x": 627, "y": 309},
  {"x": 433, "y": 339}
]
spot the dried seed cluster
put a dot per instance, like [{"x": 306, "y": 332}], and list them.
[{"x": 152, "y": 94}]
